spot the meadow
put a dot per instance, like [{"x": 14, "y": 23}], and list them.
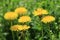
[{"x": 29, "y": 19}]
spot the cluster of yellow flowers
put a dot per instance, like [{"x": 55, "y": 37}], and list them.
[
  {"x": 14, "y": 15},
  {"x": 45, "y": 19},
  {"x": 23, "y": 19},
  {"x": 19, "y": 27}
]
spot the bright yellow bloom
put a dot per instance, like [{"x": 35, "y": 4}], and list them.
[
  {"x": 21, "y": 10},
  {"x": 16, "y": 27},
  {"x": 24, "y": 19},
  {"x": 44, "y": 11},
  {"x": 10, "y": 15},
  {"x": 40, "y": 11},
  {"x": 19, "y": 27},
  {"x": 37, "y": 12},
  {"x": 48, "y": 19},
  {"x": 25, "y": 27}
]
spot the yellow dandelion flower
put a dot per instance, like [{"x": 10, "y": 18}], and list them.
[
  {"x": 25, "y": 27},
  {"x": 37, "y": 12},
  {"x": 24, "y": 19},
  {"x": 16, "y": 28},
  {"x": 44, "y": 11},
  {"x": 48, "y": 19},
  {"x": 19, "y": 27},
  {"x": 21, "y": 10},
  {"x": 10, "y": 15},
  {"x": 40, "y": 11}
]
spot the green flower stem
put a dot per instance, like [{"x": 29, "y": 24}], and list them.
[
  {"x": 59, "y": 35},
  {"x": 18, "y": 36},
  {"x": 13, "y": 35},
  {"x": 27, "y": 35},
  {"x": 49, "y": 32},
  {"x": 12, "y": 32},
  {"x": 22, "y": 35},
  {"x": 58, "y": 32},
  {"x": 42, "y": 34}
]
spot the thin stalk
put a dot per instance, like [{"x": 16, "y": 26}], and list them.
[
  {"x": 17, "y": 36},
  {"x": 42, "y": 31},
  {"x": 42, "y": 34},
  {"x": 12, "y": 33},
  {"x": 49, "y": 32},
  {"x": 58, "y": 32},
  {"x": 22, "y": 35}
]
